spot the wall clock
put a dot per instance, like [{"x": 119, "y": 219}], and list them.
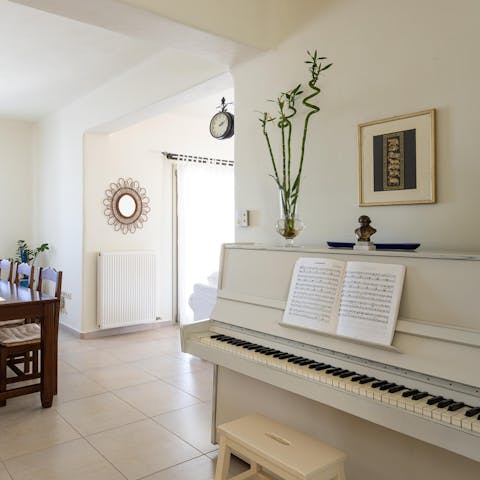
[{"x": 221, "y": 124}]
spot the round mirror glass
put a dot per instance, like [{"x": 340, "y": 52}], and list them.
[{"x": 126, "y": 205}]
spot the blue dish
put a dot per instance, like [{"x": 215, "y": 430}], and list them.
[
  {"x": 379, "y": 246},
  {"x": 397, "y": 246},
  {"x": 340, "y": 244}
]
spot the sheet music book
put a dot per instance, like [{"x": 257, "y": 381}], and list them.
[{"x": 354, "y": 299}]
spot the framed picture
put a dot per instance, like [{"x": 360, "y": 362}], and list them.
[{"x": 397, "y": 160}]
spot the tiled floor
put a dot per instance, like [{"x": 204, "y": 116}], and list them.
[{"x": 128, "y": 407}]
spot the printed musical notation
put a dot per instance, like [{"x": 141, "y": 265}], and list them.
[
  {"x": 354, "y": 299},
  {"x": 314, "y": 292}
]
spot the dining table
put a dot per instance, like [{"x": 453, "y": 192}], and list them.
[{"x": 22, "y": 302}]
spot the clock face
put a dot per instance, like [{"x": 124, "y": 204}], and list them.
[{"x": 221, "y": 125}]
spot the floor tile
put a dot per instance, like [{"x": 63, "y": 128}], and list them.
[
  {"x": 65, "y": 368},
  {"x": 87, "y": 359},
  {"x": 119, "y": 376},
  {"x": 163, "y": 366},
  {"x": 136, "y": 350},
  {"x": 198, "y": 383},
  {"x": 142, "y": 448},
  {"x": 32, "y": 432},
  {"x": 3, "y": 473},
  {"x": 192, "y": 424},
  {"x": 76, "y": 460},
  {"x": 201, "y": 468},
  {"x": 72, "y": 386},
  {"x": 98, "y": 413},
  {"x": 155, "y": 398}
]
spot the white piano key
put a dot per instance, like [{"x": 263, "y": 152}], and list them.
[
  {"x": 476, "y": 425},
  {"x": 419, "y": 407}
]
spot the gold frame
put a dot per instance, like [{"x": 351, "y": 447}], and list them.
[{"x": 432, "y": 182}]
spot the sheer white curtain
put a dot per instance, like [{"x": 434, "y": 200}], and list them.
[{"x": 205, "y": 220}]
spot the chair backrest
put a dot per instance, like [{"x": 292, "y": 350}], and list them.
[
  {"x": 24, "y": 269},
  {"x": 7, "y": 266},
  {"x": 50, "y": 275}
]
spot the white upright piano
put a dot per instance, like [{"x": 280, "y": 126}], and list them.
[{"x": 416, "y": 403}]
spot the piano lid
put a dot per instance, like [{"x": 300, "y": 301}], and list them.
[{"x": 438, "y": 332}]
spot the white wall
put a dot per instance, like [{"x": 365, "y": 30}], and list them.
[
  {"x": 389, "y": 58},
  {"x": 136, "y": 152},
  {"x": 17, "y": 149},
  {"x": 59, "y": 165}
]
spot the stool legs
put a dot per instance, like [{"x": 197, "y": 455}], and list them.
[{"x": 223, "y": 461}]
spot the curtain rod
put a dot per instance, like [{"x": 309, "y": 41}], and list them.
[{"x": 179, "y": 157}]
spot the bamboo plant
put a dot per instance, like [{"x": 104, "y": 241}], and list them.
[{"x": 287, "y": 171}]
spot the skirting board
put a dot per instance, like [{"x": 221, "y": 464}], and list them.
[{"x": 116, "y": 331}]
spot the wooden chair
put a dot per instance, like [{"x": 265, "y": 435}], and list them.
[
  {"x": 55, "y": 279},
  {"x": 7, "y": 266},
  {"x": 21, "y": 344},
  {"x": 24, "y": 269}
]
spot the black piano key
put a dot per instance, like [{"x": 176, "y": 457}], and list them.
[
  {"x": 380, "y": 383},
  {"x": 272, "y": 352},
  {"x": 233, "y": 341},
  {"x": 411, "y": 392},
  {"x": 225, "y": 339},
  {"x": 253, "y": 346},
  {"x": 315, "y": 364},
  {"x": 333, "y": 370},
  {"x": 445, "y": 403},
  {"x": 434, "y": 400},
  {"x": 216, "y": 335},
  {"x": 396, "y": 389},
  {"x": 419, "y": 396},
  {"x": 298, "y": 360},
  {"x": 388, "y": 386},
  {"x": 307, "y": 362},
  {"x": 456, "y": 406},
  {"x": 347, "y": 374},
  {"x": 284, "y": 356},
  {"x": 248, "y": 344},
  {"x": 472, "y": 412},
  {"x": 294, "y": 359},
  {"x": 322, "y": 367},
  {"x": 241, "y": 343},
  {"x": 357, "y": 378},
  {"x": 337, "y": 374},
  {"x": 367, "y": 380}
]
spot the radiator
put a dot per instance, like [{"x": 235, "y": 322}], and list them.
[{"x": 126, "y": 288}]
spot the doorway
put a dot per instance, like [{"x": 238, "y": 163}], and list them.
[{"x": 204, "y": 204}]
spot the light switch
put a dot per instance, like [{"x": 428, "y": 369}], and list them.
[{"x": 242, "y": 218}]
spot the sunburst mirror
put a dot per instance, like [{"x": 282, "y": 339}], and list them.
[{"x": 126, "y": 205}]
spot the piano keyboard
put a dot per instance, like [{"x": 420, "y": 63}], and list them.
[{"x": 444, "y": 410}]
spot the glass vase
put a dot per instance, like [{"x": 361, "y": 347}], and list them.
[{"x": 289, "y": 225}]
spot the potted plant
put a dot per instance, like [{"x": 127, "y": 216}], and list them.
[
  {"x": 25, "y": 254},
  {"x": 287, "y": 171}
]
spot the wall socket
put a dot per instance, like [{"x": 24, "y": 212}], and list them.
[{"x": 242, "y": 218}]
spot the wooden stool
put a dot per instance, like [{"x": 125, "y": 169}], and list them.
[{"x": 289, "y": 454}]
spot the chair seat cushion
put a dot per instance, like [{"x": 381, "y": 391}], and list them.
[
  {"x": 9, "y": 323},
  {"x": 10, "y": 336}
]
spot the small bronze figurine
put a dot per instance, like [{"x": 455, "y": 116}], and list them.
[{"x": 365, "y": 231}]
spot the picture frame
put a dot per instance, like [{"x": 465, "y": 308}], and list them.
[{"x": 397, "y": 160}]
